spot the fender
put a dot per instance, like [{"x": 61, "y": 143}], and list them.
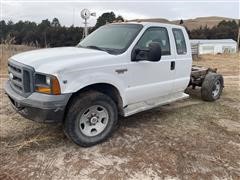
[{"x": 77, "y": 83}]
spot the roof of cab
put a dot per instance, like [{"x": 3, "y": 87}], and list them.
[{"x": 144, "y": 23}]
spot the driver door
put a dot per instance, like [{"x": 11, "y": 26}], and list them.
[{"x": 147, "y": 79}]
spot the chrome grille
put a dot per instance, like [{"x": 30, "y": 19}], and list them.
[{"x": 20, "y": 77}]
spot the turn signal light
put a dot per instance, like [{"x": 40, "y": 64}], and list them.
[
  {"x": 55, "y": 86},
  {"x": 45, "y": 90}
]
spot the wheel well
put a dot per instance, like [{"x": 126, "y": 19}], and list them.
[{"x": 104, "y": 88}]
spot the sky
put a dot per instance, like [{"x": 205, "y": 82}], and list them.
[{"x": 68, "y": 12}]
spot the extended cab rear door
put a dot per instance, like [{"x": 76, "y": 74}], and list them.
[{"x": 183, "y": 59}]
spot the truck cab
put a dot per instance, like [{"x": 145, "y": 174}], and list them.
[{"x": 119, "y": 69}]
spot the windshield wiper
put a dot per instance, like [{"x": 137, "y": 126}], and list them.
[
  {"x": 110, "y": 51},
  {"x": 97, "y": 48}
]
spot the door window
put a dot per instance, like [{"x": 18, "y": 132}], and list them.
[
  {"x": 180, "y": 41},
  {"x": 156, "y": 35}
]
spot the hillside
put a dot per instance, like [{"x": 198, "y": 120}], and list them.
[
  {"x": 203, "y": 21},
  {"x": 193, "y": 23}
]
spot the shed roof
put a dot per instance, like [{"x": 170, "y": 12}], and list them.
[{"x": 215, "y": 41}]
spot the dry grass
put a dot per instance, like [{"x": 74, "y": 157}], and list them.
[
  {"x": 190, "y": 139},
  {"x": 210, "y": 22},
  {"x": 229, "y": 68},
  {"x": 7, "y": 50},
  {"x": 193, "y": 23}
]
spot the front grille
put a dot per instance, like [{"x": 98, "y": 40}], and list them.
[{"x": 20, "y": 77}]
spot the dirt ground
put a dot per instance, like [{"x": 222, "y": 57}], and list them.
[{"x": 190, "y": 139}]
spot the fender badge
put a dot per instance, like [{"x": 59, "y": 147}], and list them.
[{"x": 121, "y": 71}]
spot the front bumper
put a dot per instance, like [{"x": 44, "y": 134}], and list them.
[{"x": 38, "y": 107}]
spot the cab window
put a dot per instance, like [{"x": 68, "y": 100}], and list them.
[
  {"x": 157, "y": 35},
  {"x": 180, "y": 41}
]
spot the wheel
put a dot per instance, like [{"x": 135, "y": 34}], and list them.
[
  {"x": 91, "y": 118},
  {"x": 212, "y": 87}
]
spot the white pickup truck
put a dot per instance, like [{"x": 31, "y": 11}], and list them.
[{"x": 119, "y": 69}]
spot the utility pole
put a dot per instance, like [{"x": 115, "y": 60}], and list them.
[
  {"x": 45, "y": 38},
  {"x": 238, "y": 39},
  {"x": 73, "y": 18}
]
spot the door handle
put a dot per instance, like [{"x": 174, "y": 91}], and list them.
[{"x": 172, "y": 65}]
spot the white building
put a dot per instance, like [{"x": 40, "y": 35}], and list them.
[{"x": 213, "y": 46}]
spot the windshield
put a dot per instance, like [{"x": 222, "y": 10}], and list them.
[{"x": 113, "y": 38}]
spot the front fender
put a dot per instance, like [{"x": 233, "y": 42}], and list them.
[{"x": 77, "y": 83}]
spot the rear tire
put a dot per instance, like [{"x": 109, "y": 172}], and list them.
[
  {"x": 212, "y": 87},
  {"x": 91, "y": 118}
]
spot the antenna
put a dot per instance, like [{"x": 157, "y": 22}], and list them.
[{"x": 85, "y": 14}]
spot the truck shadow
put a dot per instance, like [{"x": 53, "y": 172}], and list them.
[{"x": 194, "y": 93}]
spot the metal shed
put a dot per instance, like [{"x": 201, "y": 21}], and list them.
[{"x": 213, "y": 46}]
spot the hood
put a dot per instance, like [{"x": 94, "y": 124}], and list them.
[{"x": 53, "y": 59}]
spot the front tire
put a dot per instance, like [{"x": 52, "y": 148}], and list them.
[{"x": 91, "y": 118}]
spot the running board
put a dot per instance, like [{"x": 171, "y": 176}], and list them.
[{"x": 149, "y": 104}]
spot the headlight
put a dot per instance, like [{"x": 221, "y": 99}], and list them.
[{"x": 47, "y": 84}]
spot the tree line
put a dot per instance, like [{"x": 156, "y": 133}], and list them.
[
  {"x": 224, "y": 30},
  {"x": 48, "y": 33},
  {"x": 53, "y": 34}
]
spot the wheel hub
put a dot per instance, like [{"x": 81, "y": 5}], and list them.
[{"x": 94, "y": 120}]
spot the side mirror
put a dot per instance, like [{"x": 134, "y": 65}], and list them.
[
  {"x": 155, "y": 52},
  {"x": 152, "y": 53}
]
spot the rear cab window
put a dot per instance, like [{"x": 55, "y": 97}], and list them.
[{"x": 179, "y": 41}]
